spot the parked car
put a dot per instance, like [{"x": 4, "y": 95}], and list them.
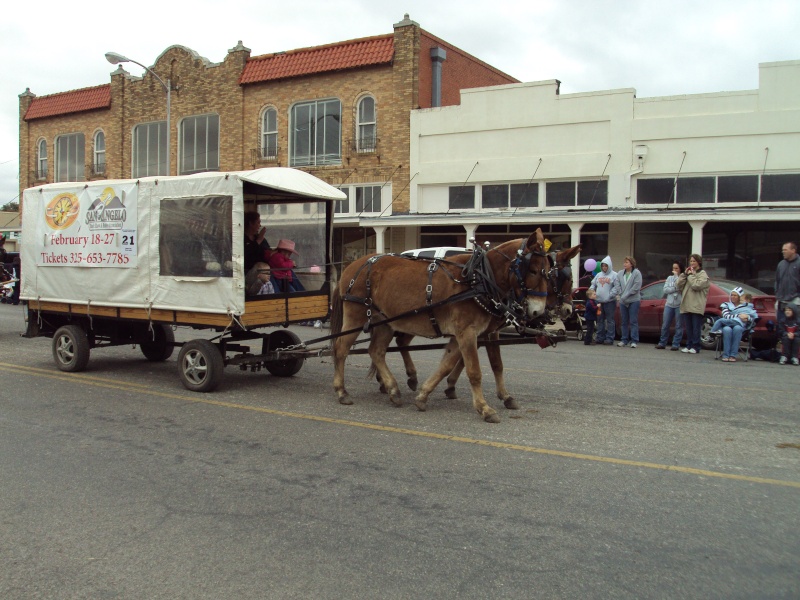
[
  {"x": 651, "y": 311},
  {"x": 439, "y": 252}
]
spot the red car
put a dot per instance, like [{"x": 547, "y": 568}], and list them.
[{"x": 651, "y": 311}]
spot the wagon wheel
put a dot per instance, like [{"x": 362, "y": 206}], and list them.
[
  {"x": 71, "y": 348},
  {"x": 285, "y": 367},
  {"x": 160, "y": 347},
  {"x": 200, "y": 366}
]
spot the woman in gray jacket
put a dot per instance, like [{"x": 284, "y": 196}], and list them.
[
  {"x": 630, "y": 296},
  {"x": 671, "y": 310}
]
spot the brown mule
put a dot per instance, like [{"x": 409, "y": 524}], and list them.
[{"x": 390, "y": 290}]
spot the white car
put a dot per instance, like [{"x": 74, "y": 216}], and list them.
[{"x": 438, "y": 252}]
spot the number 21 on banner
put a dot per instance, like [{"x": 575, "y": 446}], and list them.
[{"x": 128, "y": 241}]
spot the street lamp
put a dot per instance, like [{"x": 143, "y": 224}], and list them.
[{"x": 115, "y": 58}]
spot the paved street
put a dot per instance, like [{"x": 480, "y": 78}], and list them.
[{"x": 625, "y": 474}]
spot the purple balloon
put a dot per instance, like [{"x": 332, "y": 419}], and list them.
[{"x": 590, "y": 264}]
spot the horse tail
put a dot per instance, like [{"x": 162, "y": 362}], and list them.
[{"x": 337, "y": 315}]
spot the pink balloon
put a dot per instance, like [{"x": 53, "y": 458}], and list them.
[{"x": 590, "y": 264}]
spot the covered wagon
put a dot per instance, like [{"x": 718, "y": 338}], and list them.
[{"x": 120, "y": 262}]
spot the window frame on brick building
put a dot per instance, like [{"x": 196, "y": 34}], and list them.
[
  {"x": 268, "y": 149},
  {"x": 99, "y": 153},
  {"x": 366, "y": 197},
  {"x": 41, "y": 159},
  {"x": 362, "y": 198},
  {"x": 74, "y": 144},
  {"x": 205, "y": 157},
  {"x": 155, "y": 149},
  {"x": 366, "y": 128},
  {"x": 329, "y": 155}
]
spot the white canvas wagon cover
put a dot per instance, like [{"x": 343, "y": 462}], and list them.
[{"x": 99, "y": 243}]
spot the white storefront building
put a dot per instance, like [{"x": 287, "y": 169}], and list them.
[{"x": 655, "y": 178}]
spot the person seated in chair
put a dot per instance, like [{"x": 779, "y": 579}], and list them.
[
  {"x": 283, "y": 274},
  {"x": 737, "y": 316}
]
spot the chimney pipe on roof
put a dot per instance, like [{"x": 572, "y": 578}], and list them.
[{"x": 438, "y": 55}]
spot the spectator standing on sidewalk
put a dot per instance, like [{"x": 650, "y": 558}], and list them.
[
  {"x": 672, "y": 310},
  {"x": 787, "y": 280},
  {"x": 789, "y": 332},
  {"x": 693, "y": 284},
  {"x": 606, "y": 284},
  {"x": 590, "y": 316},
  {"x": 630, "y": 297}
]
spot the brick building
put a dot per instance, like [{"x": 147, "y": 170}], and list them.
[{"x": 340, "y": 111}]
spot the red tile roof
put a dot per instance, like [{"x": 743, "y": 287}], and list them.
[
  {"x": 69, "y": 102},
  {"x": 352, "y": 54}
]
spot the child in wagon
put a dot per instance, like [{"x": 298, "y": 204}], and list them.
[
  {"x": 258, "y": 281},
  {"x": 282, "y": 265}
]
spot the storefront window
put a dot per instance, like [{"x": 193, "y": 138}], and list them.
[{"x": 657, "y": 245}]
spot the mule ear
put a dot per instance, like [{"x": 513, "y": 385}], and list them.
[
  {"x": 537, "y": 237},
  {"x": 568, "y": 254}
]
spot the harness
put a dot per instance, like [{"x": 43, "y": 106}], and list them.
[
  {"x": 557, "y": 277},
  {"x": 476, "y": 273}
]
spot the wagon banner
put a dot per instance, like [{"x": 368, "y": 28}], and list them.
[{"x": 87, "y": 229}]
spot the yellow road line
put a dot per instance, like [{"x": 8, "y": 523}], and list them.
[{"x": 202, "y": 399}]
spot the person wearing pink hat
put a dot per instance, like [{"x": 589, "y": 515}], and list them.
[{"x": 282, "y": 268}]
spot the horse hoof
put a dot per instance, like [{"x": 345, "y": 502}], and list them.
[
  {"x": 451, "y": 393},
  {"x": 345, "y": 400},
  {"x": 412, "y": 383},
  {"x": 510, "y": 403},
  {"x": 421, "y": 406},
  {"x": 396, "y": 400},
  {"x": 491, "y": 418}
]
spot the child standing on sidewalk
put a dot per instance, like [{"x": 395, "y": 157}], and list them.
[
  {"x": 790, "y": 336},
  {"x": 590, "y": 316}
]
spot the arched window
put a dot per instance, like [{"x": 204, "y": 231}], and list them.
[
  {"x": 99, "y": 163},
  {"x": 366, "y": 127},
  {"x": 269, "y": 134},
  {"x": 41, "y": 160}
]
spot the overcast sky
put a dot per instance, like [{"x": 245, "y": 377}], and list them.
[{"x": 660, "y": 48}]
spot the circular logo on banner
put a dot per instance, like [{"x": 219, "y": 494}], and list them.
[{"x": 62, "y": 211}]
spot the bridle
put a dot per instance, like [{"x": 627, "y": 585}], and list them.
[
  {"x": 520, "y": 268},
  {"x": 557, "y": 278},
  {"x": 511, "y": 307}
]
